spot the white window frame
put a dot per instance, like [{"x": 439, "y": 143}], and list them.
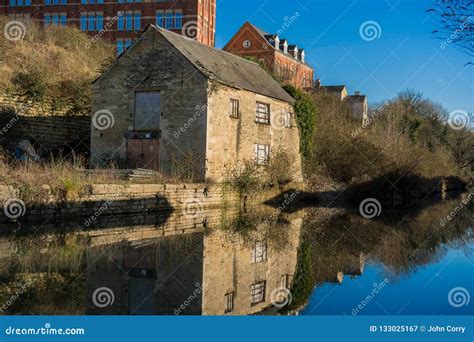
[
  {"x": 234, "y": 108},
  {"x": 258, "y": 292},
  {"x": 262, "y": 154},
  {"x": 229, "y": 302},
  {"x": 262, "y": 113},
  {"x": 259, "y": 252}
]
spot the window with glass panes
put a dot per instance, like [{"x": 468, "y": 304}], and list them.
[
  {"x": 229, "y": 302},
  {"x": 262, "y": 114},
  {"x": 262, "y": 154},
  {"x": 257, "y": 292},
  {"x": 234, "y": 108},
  {"x": 259, "y": 252}
]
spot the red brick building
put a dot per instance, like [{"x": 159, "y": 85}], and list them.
[
  {"x": 121, "y": 21},
  {"x": 286, "y": 61}
]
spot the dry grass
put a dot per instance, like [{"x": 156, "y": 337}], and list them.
[
  {"x": 65, "y": 180},
  {"x": 404, "y": 139},
  {"x": 58, "y": 63}
]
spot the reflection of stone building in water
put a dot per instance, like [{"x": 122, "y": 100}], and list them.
[{"x": 212, "y": 273}]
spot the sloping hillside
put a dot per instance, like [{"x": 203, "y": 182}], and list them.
[{"x": 55, "y": 64}]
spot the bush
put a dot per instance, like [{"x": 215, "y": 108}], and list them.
[
  {"x": 407, "y": 137},
  {"x": 244, "y": 176},
  {"x": 279, "y": 171}
]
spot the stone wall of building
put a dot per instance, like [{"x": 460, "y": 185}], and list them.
[
  {"x": 228, "y": 268},
  {"x": 231, "y": 139},
  {"x": 189, "y": 272},
  {"x": 183, "y": 92}
]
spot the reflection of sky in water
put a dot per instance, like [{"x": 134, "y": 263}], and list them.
[{"x": 422, "y": 292}]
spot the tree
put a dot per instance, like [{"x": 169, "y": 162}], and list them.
[{"x": 455, "y": 24}]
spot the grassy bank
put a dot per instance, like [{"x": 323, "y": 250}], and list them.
[
  {"x": 53, "y": 63},
  {"x": 406, "y": 139}
]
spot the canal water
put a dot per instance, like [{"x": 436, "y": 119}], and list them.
[{"x": 306, "y": 260}]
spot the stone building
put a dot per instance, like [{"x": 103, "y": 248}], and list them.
[
  {"x": 286, "y": 61},
  {"x": 170, "y": 100},
  {"x": 194, "y": 273},
  {"x": 357, "y": 103}
]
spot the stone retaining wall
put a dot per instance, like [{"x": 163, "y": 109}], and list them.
[
  {"x": 115, "y": 199},
  {"x": 49, "y": 133},
  {"x": 29, "y": 107}
]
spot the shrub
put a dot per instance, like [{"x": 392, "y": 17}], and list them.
[
  {"x": 279, "y": 171},
  {"x": 244, "y": 176}
]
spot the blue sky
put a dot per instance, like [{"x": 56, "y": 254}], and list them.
[{"x": 405, "y": 55}]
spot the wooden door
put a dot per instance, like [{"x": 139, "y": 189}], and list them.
[{"x": 143, "y": 153}]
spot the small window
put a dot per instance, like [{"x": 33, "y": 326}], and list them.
[
  {"x": 259, "y": 252},
  {"x": 262, "y": 154},
  {"x": 234, "y": 109},
  {"x": 284, "y": 281},
  {"x": 257, "y": 292},
  {"x": 263, "y": 113},
  {"x": 229, "y": 302},
  {"x": 288, "y": 120}
]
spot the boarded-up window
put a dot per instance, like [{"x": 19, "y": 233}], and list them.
[{"x": 147, "y": 111}]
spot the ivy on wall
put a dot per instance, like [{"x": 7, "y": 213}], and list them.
[{"x": 305, "y": 111}]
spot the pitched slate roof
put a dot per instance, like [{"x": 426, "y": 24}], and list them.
[
  {"x": 332, "y": 89},
  {"x": 355, "y": 98},
  {"x": 226, "y": 67}
]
